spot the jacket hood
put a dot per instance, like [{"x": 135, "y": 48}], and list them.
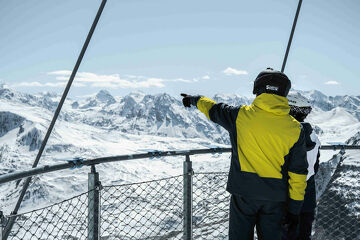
[{"x": 272, "y": 103}]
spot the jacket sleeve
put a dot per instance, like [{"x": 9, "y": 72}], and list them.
[
  {"x": 317, "y": 163},
  {"x": 297, "y": 172},
  {"x": 219, "y": 113}
]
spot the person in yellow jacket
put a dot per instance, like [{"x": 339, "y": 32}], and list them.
[{"x": 268, "y": 164}]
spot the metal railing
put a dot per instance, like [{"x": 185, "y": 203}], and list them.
[{"x": 188, "y": 206}]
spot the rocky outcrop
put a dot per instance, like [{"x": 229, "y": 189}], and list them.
[
  {"x": 32, "y": 138},
  {"x": 9, "y": 121}
]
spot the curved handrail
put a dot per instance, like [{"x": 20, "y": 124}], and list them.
[{"x": 77, "y": 163}]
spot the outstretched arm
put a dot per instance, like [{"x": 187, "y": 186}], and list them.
[{"x": 219, "y": 113}]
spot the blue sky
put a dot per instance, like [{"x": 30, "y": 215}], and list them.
[{"x": 197, "y": 47}]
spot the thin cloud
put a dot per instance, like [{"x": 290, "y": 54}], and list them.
[
  {"x": 111, "y": 81},
  {"x": 151, "y": 82},
  {"x": 60, "y": 72},
  {"x": 47, "y": 84},
  {"x": 181, "y": 80},
  {"x": 332, "y": 83},
  {"x": 115, "y": 81},
  {"x": 79, "y": 84},
  {"x": 232, "y": 71},
  {"x": 135, "y": 76},
  {"x": 206, "y": 77},
  {"x": 27, "y": 84},
  {"x": 58, "y": 84}
]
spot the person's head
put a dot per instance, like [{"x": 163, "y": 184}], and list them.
[
  {"x": 300, "y": 106},
  {"x": 272, "y": 81}
]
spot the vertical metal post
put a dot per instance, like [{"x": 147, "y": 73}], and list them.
[
  {"x": 188, "y": 198},
  {"x": 93, "y": 205}
]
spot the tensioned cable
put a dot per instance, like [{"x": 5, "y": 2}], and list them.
[
  {"x": 57, "y": 112},
  {"x": 291, "y": 36}
]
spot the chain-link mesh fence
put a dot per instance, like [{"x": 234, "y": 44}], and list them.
[
  {"x": 338, "y": 210},
  {"x": 154, "y": 210},
  {"x": 210, "y": 206},
  {"x": 147, "y": 210},
  {"x": 64, "y": 220}
]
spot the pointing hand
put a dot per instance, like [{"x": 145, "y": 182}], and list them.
[{"x": 186, "y": 100}]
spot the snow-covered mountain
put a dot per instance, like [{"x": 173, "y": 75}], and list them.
[
  {"x": 104, "y": 125},
  {"x": 164, "y": 115}
]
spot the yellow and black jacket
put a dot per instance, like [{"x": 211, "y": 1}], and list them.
[{"x": 268, "y": 148}]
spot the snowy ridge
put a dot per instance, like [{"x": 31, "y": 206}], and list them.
[
  {"x": 354, "y": 140},
  {"x": 103, "y": 125},
  {"x": 326, "y": 103}
]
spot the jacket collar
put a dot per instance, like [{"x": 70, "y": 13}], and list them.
[{"x": 272, "y": 103}]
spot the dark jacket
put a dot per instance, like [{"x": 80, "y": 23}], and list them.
[
  {"x": 268, "y": 148},
  {"x": 313, "y": 155}
]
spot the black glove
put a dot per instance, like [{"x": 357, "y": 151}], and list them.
[
  {"x": 186, "y": 100},
  {"x": 290, "y": 224}
]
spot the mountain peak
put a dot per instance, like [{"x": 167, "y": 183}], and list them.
[
  {"x": 105, "y": 96},
  {"x": 6, "y": 92},
  {"x": 3, "y": 85},
  {"x": 317, "y": 94},
  {"x": 49, "y": 94},
  {"x": 137, "y": 96}
]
